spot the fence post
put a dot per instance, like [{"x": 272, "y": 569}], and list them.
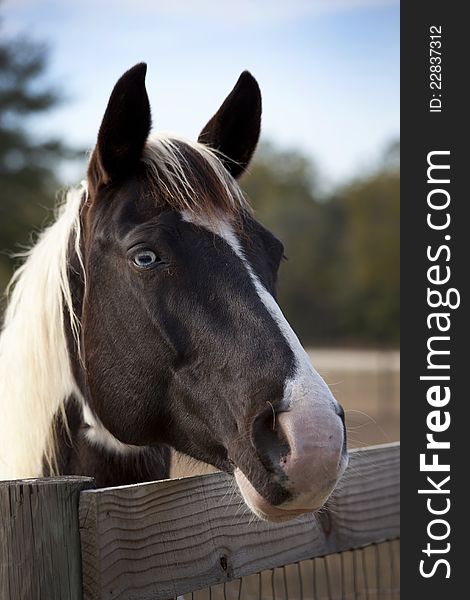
[{"x": 39, "y": 538}]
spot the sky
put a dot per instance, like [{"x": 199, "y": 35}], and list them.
[{"x": 328, "y": 69}]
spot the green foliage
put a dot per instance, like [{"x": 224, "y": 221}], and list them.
[
  {"x": 27, "y": 165},
  {"x": 341, "y": 280},
  {"x": 370, "y": 258}
]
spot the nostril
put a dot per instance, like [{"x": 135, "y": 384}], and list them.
[
  {"x": 340, "y": 413},
  {"x": 268, "y": 438}
]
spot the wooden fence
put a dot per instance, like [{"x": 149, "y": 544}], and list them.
[{"x": 60, "y": 539}]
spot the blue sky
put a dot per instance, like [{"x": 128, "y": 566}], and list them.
[{"x": 328, "y": 69}]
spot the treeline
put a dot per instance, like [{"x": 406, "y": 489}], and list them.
[{"x": 340, "y": 283}]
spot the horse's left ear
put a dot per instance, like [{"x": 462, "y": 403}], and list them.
[
  {"x": 234, "y": 129},
  {"x": 124, "y": 130}
]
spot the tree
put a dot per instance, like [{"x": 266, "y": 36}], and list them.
[
  {"x": 27, "y": 165},
  {"x": 371, "y": 255}
]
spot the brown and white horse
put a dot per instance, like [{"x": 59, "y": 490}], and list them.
[{"x": 145, "y": 318}]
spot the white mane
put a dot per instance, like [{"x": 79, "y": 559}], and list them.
[{"x": 35, "y": 372}]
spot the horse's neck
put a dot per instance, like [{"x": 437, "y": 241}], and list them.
[{"x": 76, "y": 455}]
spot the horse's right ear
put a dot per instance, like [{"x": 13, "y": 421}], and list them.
[{"x": 124, "y": 129}]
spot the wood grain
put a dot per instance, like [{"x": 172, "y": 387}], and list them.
[
  {"x": 159, "y": 540},
  {"x": 39, "y": 538}
]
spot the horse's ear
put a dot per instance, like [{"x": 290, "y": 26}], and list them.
[
  {"x": 234, "y": 129},
  {"x": 124, "y": 129}
]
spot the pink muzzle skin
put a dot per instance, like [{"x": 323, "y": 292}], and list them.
[{"x": 313, "y": 466}]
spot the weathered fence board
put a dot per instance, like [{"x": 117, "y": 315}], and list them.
[
  {"x": 159, "y": 540},
  {"x": 39, "y": 539}
]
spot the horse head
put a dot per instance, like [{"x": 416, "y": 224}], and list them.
[{"x": 182, "y": 340}]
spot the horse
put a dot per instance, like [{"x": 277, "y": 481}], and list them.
[{"x": 145, "y": 320}]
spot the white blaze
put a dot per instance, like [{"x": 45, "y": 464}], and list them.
[
  {"x": 306, "y": 382},
  {"x": 312, "y": 425}
]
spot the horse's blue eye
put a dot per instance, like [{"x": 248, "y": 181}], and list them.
[{"x": 144, "y": 259}]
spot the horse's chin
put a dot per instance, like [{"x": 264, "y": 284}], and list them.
[
  {"x": 266, "y": 511},
  {"x": 184, "y": 466}
]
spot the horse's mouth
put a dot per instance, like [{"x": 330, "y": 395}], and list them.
[{"x": 286, "y": 511}]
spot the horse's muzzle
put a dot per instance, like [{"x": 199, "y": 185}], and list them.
[{"x": 304, "y": 450}]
